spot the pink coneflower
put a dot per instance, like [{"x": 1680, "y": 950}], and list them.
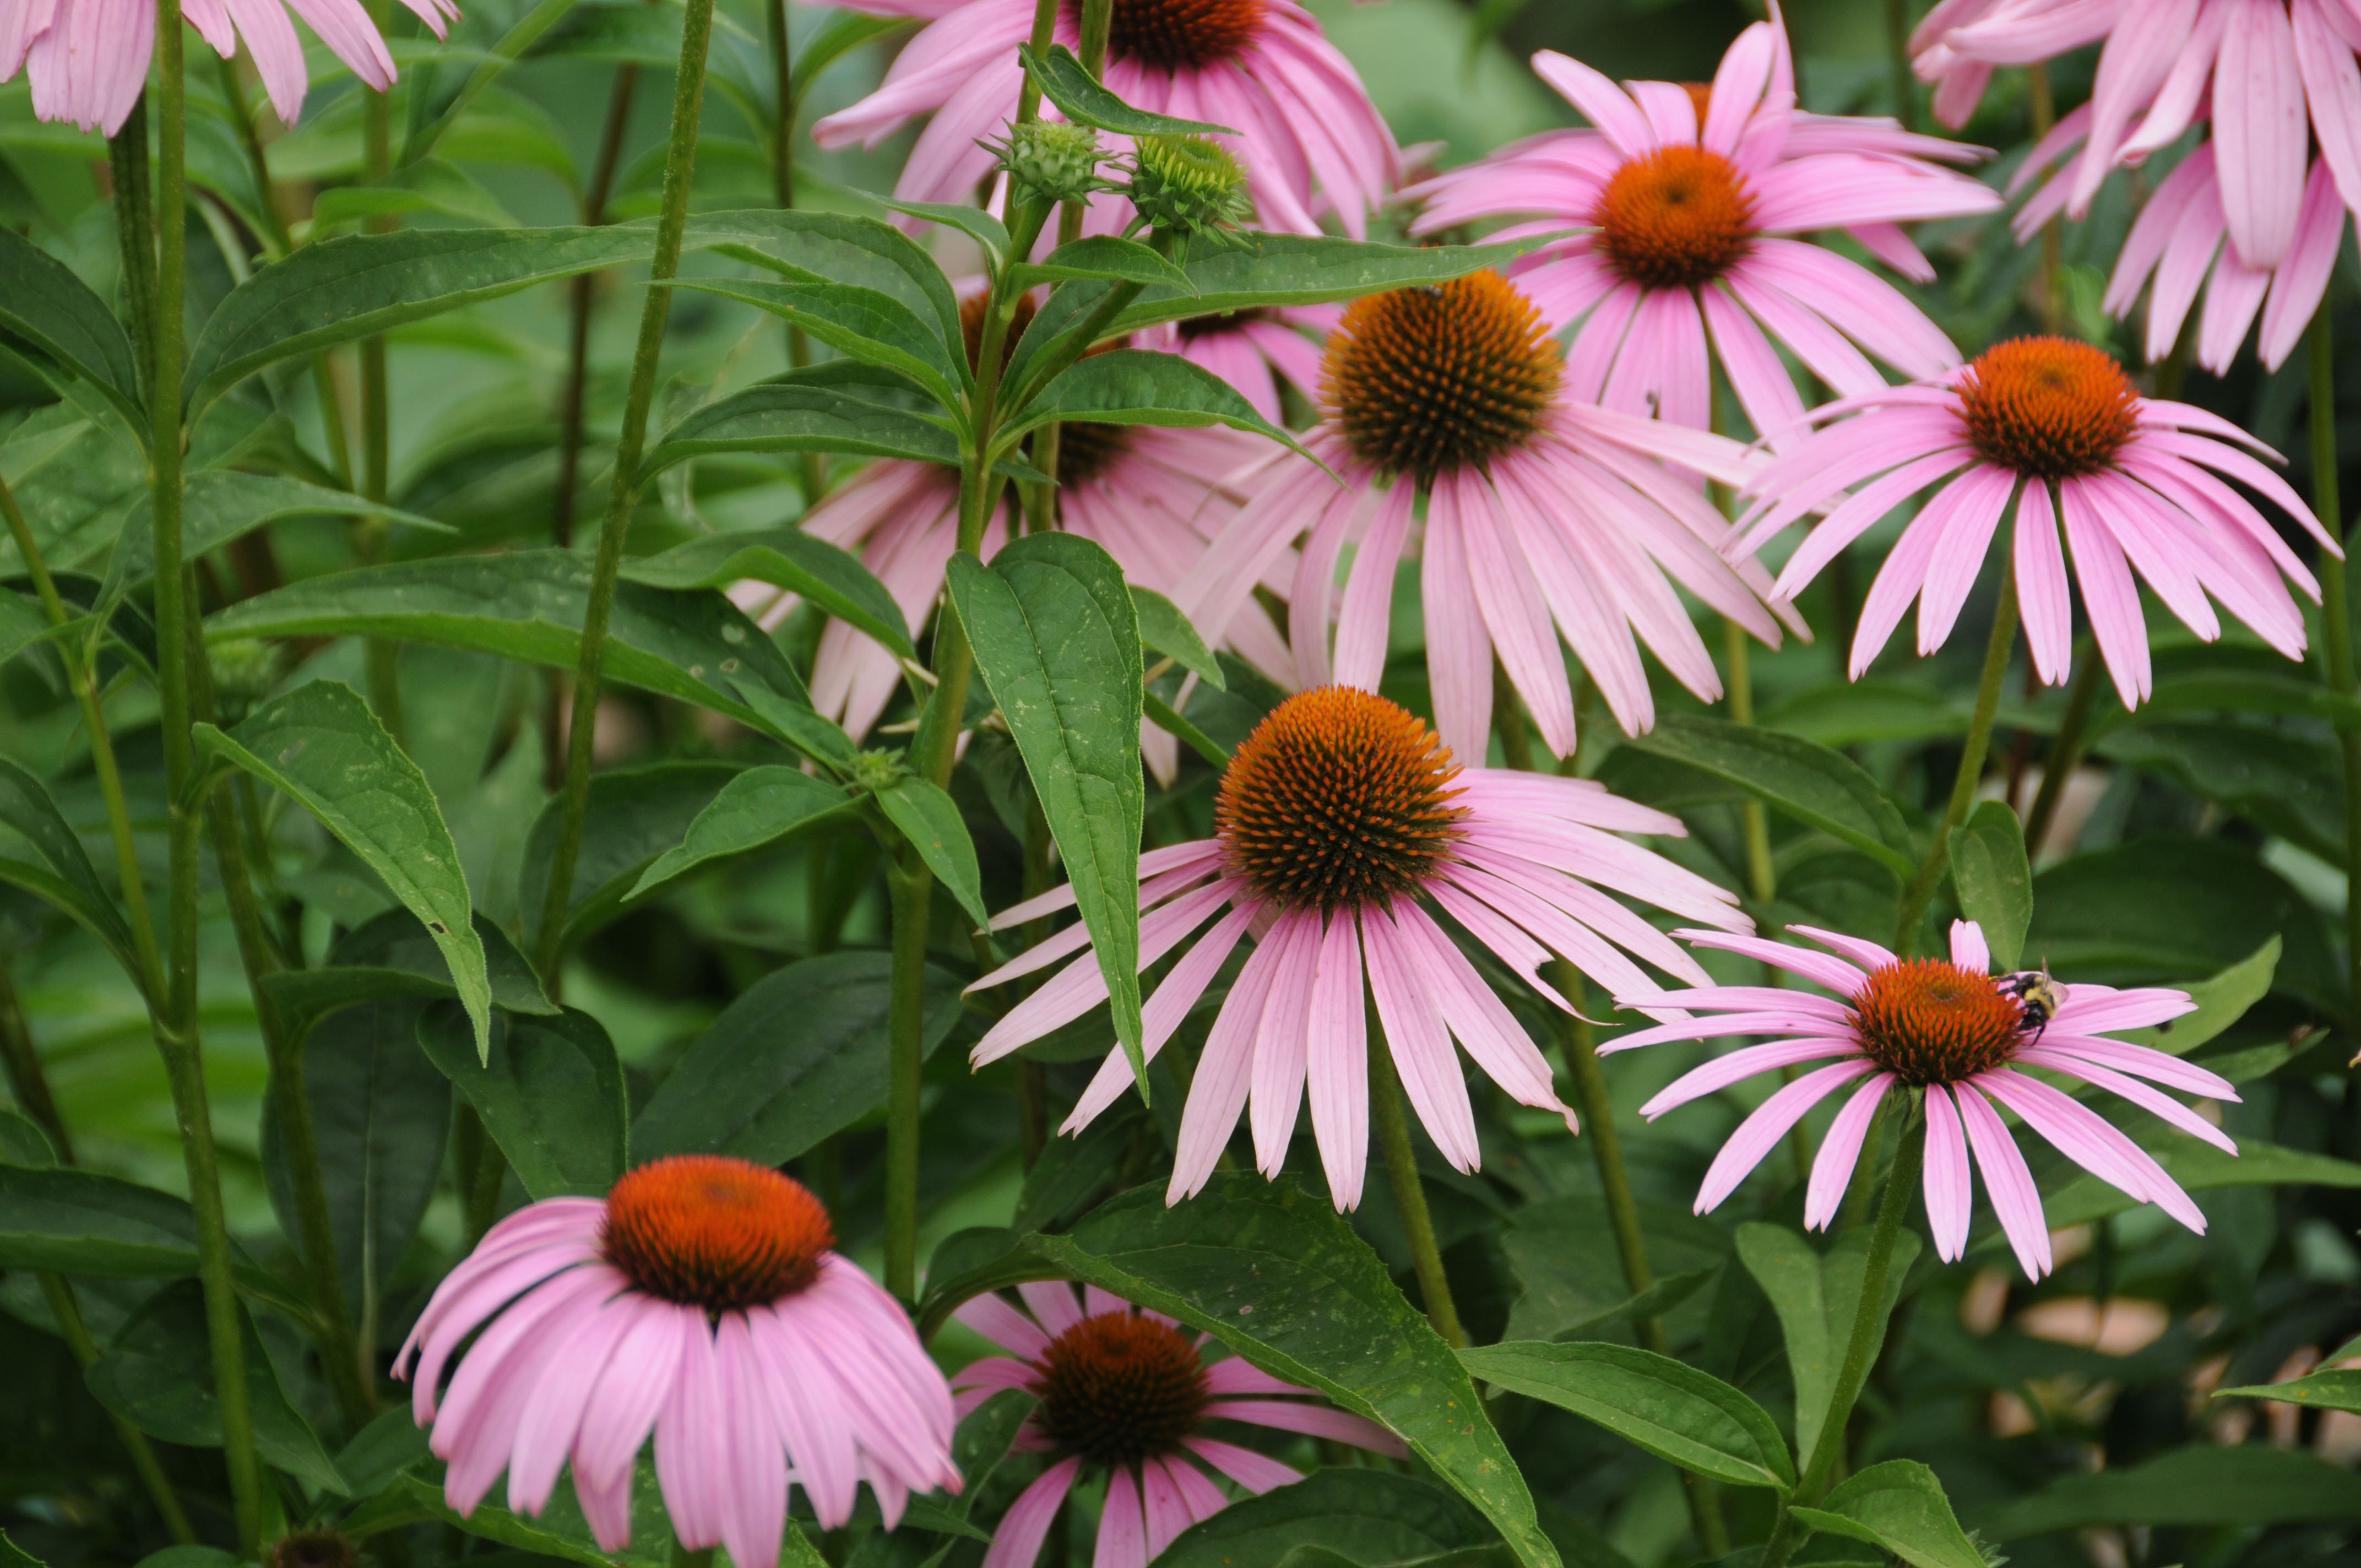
[
  {"x": 1546, "y": 514},
  {"x": 87, "y": 60},
  {"x": 1309, "y": 139},
  {"x": 1122, "y": 1389},
  {"x": 700, "y": 1298},
  {"x": 1955, "y": 1032},
  {"x": 2179, "y": 240},
  {"x": 2265, "y": 69},
  {"x": 2056, "y": 426},
  {"x": 1341, "y": 825},
  {"x": 1685, "y": 195}
]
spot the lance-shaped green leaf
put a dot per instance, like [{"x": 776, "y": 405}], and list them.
[
  {"x": 1137, "y": 386},
  {"x": 392, "y": 958},
  {"x": 550, "y": 1092},
  {"x": 1081, "y": 98},
  {"x": 2331, "y": 1390},
  {"x": 759, "y": 808},
  {"x": 1107, "y": 256},
  {"x": 1164, "y": 630},
  {"x": 1899, "y": 1506},
  {"x": 43, "y": 302},
  {"x": 974, "y": 222},
  {"x": 321, "y": 744},
  {"x": 867, "y": 324},
  {"x": 1817, "y": 1298},
  {"x": 2203, "y": 1484},
  {"x": 1365, "y": 1516},
  {"x": 430, "y": 185},
  {"x": 1057, "y": 641},
  {"x": 2222, "y": 1000},
  {"x": 1267, "y": 269},
  {"x": 528, "y": 605},
  {"x": 926, "y": 815},
  {"x": 358, "y": 286},
  {"x": 843, "y": 32},
  {"x": 1817, "y": 786},
  {"x": 68, "y": 881},
  {"x": 632, "y": 816},
  {"x": 798, "y": 416},
  {"x": 799, "y": 725},
  {"x": 1993, "y": 879},
  {"x": 837, "y": 247},
  {"x": 789, "y": 558},
  {"x": 223, "y": 504},
  {"x": 1681, "y": 1415}
]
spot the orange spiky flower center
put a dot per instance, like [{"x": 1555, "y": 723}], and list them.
[
  {"x": 1118, "y": 1387},
  {"x": 1429, "y": 379},
  {"x": 715, "y": 1231},
  {"x": 2047, "y": 408},
  {"x": 1181, "y": 34},
  {"x": 1340, "y": 799},
  {"x": 1678, "y": 217},
  {"x": 1929, "y": 1021}
]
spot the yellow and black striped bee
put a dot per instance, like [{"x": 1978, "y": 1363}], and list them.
[{"x": 2040, "y": 997}]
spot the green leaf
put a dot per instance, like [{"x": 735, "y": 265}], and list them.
[
  {"x": 1898, "y": 1505},
  {"x": 1103, "y": 257},
  {"x": 22, "y": 1141},
  {"x": 2245, "y": 1484},
  {"x": 843, "y": 32},
  {"x": 1817, "y": 1298},
  {"x": 927, "y": 815},
  {"x": 1082, "y": 99},
  {"x": 385, "y": 1448},
  {"x": 392, "y": 958},
  {"x": 633, "y": 816},
  {"x": 71, "y": 881},
  {"x": 380, "y": 1113},
  {"x": 974, "y": 222},
  {"x": 22, "y": 624},
  {"x": 1993, "y": 879},
  {"x": 1568, "y": 1270},
  {"x": 1818, "y": 787},
  {"x": 220, "y": 505},
  {"x": 1166, "y": 718},
  {"x": 430, "y": 185},
  {"x": 2222, "y": 1000},
  {"x": 759, "y": 807},
  {"x": 321, "y": 744},
  {"x": 2199, "y": 1167},
  {"x": 2332, "y": 1390},
  {"x": 1137, "y": 386},
  {"x": 550, "y": 1092},
  {"x": 836, "y": 248},
  {"x": 799, "y": 1056},
  {"x": 520, "y": 36},
  {"x": 529, "y": 605},
  {"x": 1681, "y": 1415},
  {"x": 1272, "y": 1271},
  {"x": 358, "y": 286},
  {"x": 1262, "y": 270},
  {"x": 158, "y": 1376},
  {"x": 2284, "y": 783},
  {"x": 867, "y": 324},
  {"x": 802, "y": 416},
  {"x": 559, "y": 1532},
  {"x": 788, "y": 558},
  {"x": 1367, "y": 1516},
  {"x": 798, "y": 724},
  {"x": 1057, "y": 638},
  {"x": 1164, "y": 630},
  {"x": 42, "y": 302},
  {"x": 15, "y": 1556},
  {"x": 77, "y": 1221}
]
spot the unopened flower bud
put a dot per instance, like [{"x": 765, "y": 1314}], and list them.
[
  {"x": 875, "y": 771},
  {"x": 1187, "y": 184},
  {"x": 244, "y": 673},
  {"x": 1052, "y": 158}
]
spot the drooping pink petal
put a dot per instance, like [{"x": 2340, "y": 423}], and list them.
[
  {"x": 1832, "y": 1168},
  {"x": 2015, "y": 1197},
  {"x": 1950, "y": 1193},
  {"x": 1016, "y": 1541},
  {"x": 1761, "y": 1132}
]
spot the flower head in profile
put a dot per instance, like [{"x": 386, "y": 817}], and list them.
[
  {"x": 1546, "y": 516},
  {"x": 701, "y": 1298},
  {"x": 1310, "y": 141},
  {"x": 1687, "y": 198},
  {"x": 2053, "y": 427},
  {"x": 87, "y": 60},
  {"x": 1342, "y": 828},
  {"x": 1960, "y": 1034},
  {"x": 1125, "y": 1390}
]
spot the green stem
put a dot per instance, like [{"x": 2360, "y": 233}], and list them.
[
  {"x": 689, "y": 94},
  {"x": 2336, "y": 611},
  {"x": 2065, "y": 748},
  {"x": 368, "y": 533},
  {"x": 580, "y": 294},
  {"x": 135, "y": 216},
  {"x": 22, "y": 1063},
  {"x": 1971, "y": 762},
  {"x": 1762, "y": 880},
  {"x": 813, "y": 469},
  {"x": 176, "y": 1024},
  {"x": 1391, "y": 1120},
  {"x": 912, "y": 890},
  {"x": 85, "y": 1350},
  {"x": 2045, "y": 117},
  {"x": 1897, "y": 44},
  {"x": 1045, "y": 27}
]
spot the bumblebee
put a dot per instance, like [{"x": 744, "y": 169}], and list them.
[{"x": 2040, "y": 997}]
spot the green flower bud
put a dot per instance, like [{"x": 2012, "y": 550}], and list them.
[
  {"x": 1052, "y": 158},
  {"x": 874, "y": 770},
  {"x": 1187, "y": 184},
  {"x": 244, "y": 673}
]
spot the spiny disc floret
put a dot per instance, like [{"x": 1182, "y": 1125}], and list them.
[
  {"x": 1340, "y": 799},
  {"x": 1120, "y": 1387},
  {"x": 2047, "y": 408},
  {"x": 715, "y": 1231},
  {"x": 1929, "y": 1021},
  {"x": 1678, "y": 217},
  {"x": 1428, "y": 380},
  {"x": 1182, "y": 34}
]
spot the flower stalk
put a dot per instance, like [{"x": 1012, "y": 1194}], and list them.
[
  {"x": 1391, "y": 1123},
  {"x": 622, "y": 495},
  {"x": 910, "y": 887},
  {"x": 2335, "y": 606},
  {"x": 2065, "y": 749},
  {"x": 1913, "y": 914}
]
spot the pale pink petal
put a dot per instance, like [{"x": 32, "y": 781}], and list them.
[{"x": 1840, "y": 1151}]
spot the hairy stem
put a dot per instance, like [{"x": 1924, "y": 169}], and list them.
[
  {"x": 2335, "y": 608},
  {"x": 912, "y": 890},
  {"x": 580, "y": 292},
  {"x": 1971, "y": 762},
  {"x": 1391, "y": 1120},
  {"x": 689, "y": 95}
]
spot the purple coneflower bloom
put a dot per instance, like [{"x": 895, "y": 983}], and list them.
[
  {"x": 700, "y": 1299},
  {"x": 1955, "y": 1031},
  {"x": 1684, "y": 195},
  {"x": 1341, "y": 827},
  {"x": 2056, "y": 426},
  {"x": 1124, "y": 1389},
  {"x": 1309, "y": 139}
]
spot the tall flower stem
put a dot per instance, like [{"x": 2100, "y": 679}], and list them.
[
  {"x": 2065, "y": 748},
  {"x": 622, "y": 494},
  {"x": 911, "y": 890},
  {"x": 1390, "y": 1121},
  {"x": 2336, "y": 609},
  {"x": 368, "y": 533},
  {"x": 176, "y": 1022},
  {"x": 1762, "y": 880},
  {"x": 1971, "y": 762},
  {"x": 580, "y": 294},
  {"x": 1898, "y": 47},
  {"x": 811, "y": 468},
  {"x": 2044, "y": 106},
  {"x": 20, "y": 1068}
]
